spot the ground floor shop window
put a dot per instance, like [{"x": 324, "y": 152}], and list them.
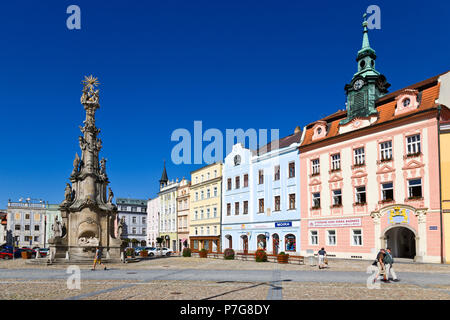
[
  {"x": 196, "y": 244},
  {"x": 290, "y": 242}
]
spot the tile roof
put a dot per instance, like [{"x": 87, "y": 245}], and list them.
[
  {"x": 283, "y": 142},
  {"x": 429, "y": 90}
]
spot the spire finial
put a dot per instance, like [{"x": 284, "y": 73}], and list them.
[{"x": 365, "y": 43}]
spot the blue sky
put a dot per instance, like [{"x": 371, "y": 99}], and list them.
[{"x": 164, "y": 64}]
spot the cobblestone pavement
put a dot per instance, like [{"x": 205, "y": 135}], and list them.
[{"x": 179, "y": 278}]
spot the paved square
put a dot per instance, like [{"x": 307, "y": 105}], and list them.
[{"x": 215, "y": 279}]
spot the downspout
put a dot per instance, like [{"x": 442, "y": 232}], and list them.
[{"x": 440, "y": 180}]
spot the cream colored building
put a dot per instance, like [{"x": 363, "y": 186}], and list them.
[{"x": 205, "y": 208}]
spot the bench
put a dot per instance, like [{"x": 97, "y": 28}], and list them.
[
  {"x": 215, "y": 255},
  {"x": 298, "y": 259}
]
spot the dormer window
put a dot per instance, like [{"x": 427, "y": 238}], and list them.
[
  {"x": 407, "y": 101},
  {"x": 319, "y": 130}
]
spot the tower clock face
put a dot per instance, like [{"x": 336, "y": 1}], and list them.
[{"x": 358, "y": 84}]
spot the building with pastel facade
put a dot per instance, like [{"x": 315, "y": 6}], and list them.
[
  {"x": 134, "y": 214},
  {"x": 183, "y": 203},
  {"x": 205, "y": 208},
  {"x": 25, "y": 221},
  {"x": 168, "y": 211},
  {"x": 153, "y": 212},
  {"x": 370, "y": 173},
  {"x": 444, "y": 149},
  {"x": 261, "y": 197}
]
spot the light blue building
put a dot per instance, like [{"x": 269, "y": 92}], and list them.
[{"x": 261, "y": 197}]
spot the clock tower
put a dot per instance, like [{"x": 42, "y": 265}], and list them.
[{"x": 367, "y": 84}]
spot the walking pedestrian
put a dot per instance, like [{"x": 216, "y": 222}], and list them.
[
  {"x": 389, "y": 269},
  {"x": 98, "y": 258},
  {"x": 322, "y": 254},
  {"x": 380, "y": 264}
]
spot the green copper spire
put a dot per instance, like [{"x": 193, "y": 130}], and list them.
[{"x": 367, "y": 84}]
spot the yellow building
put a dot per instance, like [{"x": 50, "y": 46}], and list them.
[
  {"x": 445, "y": 186},
  {"x": 205, "y": 208}
]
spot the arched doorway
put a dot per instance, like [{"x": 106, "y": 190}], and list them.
[
  {"x": 261, "y": 241},
  {"x": 275, "y": 243},
  {"x": 245, "y": 243},
  {"x": 402, "y": 242},
  {"x": 290, "y": 242},
  {"x": 230, "y": 241}
]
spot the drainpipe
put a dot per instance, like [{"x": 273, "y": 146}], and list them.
[{"x": 440, "y": 178}]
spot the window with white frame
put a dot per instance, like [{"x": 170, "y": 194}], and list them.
[
  {"x": 208, "y": 194},
  {"x": 413, "y": 144},
  {"x": 316, "y": 199},
  {"x": 196, "y": 215},
  {"x": 215, "y": 191},
  {"x": 415, "y": 188},
  {"x": 386, "y": 150},
  {"x": 359, "y": 156},
  {"x": 201, "y": 214},
  {"x": 277, "y": 202},
  {"x": 357, "y": 237},
  {"x": 336, "y": 162},
  {"x": 315, "y": 166},
  {"x": 337, "y": 197},
  {"x": 215, "y": 212},
  {"x": 313, "y": 237},
  {"x": 387, "y": 190},
  {"x": 276, "y": 173},
  {"x": 208, "y": 211},
  {"x": 360, "y": 194},
  {"x": 331, "y": 237}
]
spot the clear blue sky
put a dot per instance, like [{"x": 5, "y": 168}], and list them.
[{"x": 163, "y": 64}]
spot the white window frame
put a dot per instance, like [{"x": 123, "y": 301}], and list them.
[
  {"x": 352, "y": 234},
  {"x": 383, "y": 189},
  {"x": 328, "y": 237},
  {"x": 310, "y": 238},
  {"x": 413, "y": 144},
  {"x": 386, "y": 150},
  {"x": 336, "y": 195},
  {"x": 358, "y": 192},
  {"x": 313, "y": 203},
  {"x": 336, "y": 161},
  {"x": 315, "y": 166},
  {"x": 416, "y": 185},
  {"x": 359, "y": 156}
]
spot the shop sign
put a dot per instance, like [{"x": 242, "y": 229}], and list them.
[
  {"x": 283, "y": 224},
  {"x": 351, "y": 222}
]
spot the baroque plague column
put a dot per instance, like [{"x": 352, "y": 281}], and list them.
[{"x": 87, "y": 212}]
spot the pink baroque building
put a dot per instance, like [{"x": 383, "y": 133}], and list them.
[{"x": 370, "y": 175}]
